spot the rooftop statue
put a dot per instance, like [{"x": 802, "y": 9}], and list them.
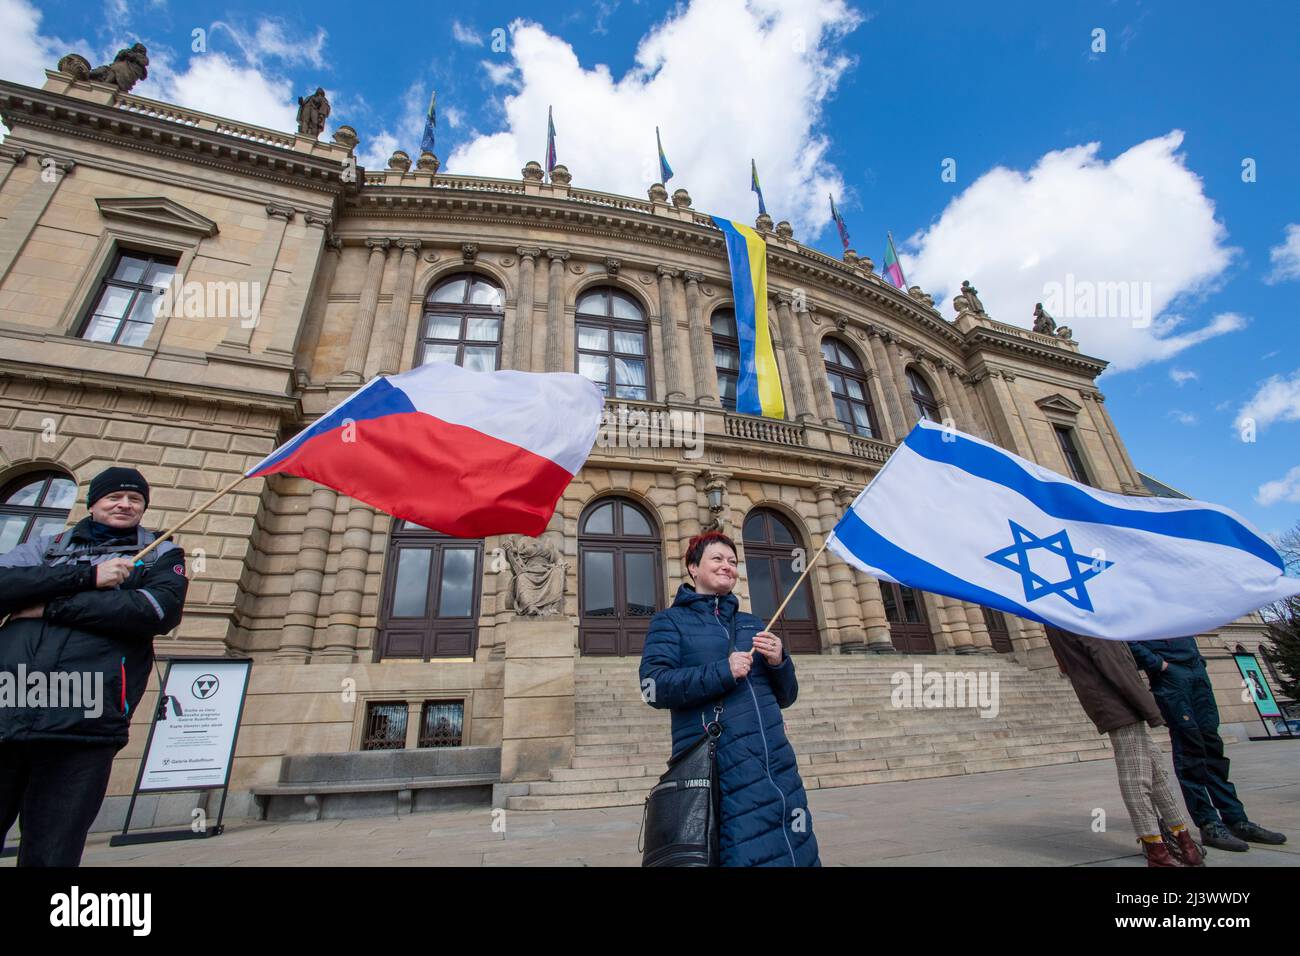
[
  {"x": 128, "y": 68},
  {"x": 312, "y": 112}
]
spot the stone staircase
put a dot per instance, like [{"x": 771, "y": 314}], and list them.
[{"x": 844, "y": 729}]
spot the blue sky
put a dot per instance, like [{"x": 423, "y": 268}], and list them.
[{"x": 1121, "y": 164}]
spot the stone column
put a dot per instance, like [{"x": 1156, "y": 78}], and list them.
[
  {"x": 1004, "y": 407},
  {"x": 947, "y": 409},
  {"x": 795, "y": 361},
  {"x": 821, "y": 388},
  {"x": 1135, "y": 480},
  {"x": 292, "y": 316},
  {"x": 10, "y": 158},
  {"x": 674, "y": 392},
  {"x": 958, "y": 625},
  {"x": 897, "y": 365},
  {"x": 873, "y": 613},
  {"x": 393, "y": 338},
  {"x": 555, "y": 312},
  {"x": 702, "y": 362},
  {"x": 847, "y": 627},
  {"x": 27, "y": 211},
  {"x": 304, "y": 599},
  {"x": 979, "y": 630},
  {"x": 688, "y": 506},
  {"x": 522, "y": 357},
  {"x": 538, "y": 701},
  {"x": 878, "y": 339},
  {"x": 349, "y": 585},
  {"x": 966, "y": 421},
  {"x": 314, "y": 319},
  {"x": 259, "y": 274},
  {"x": 359, "y": 342}
]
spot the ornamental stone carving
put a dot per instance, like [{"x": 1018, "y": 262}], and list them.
[
  {"x": 1044, "y": 324},
  {"x": 76, "y": 66},
  {"x": 561, "y": 176},
  {"x": 400, "y": 161},
  {"x": 536, "y": 576},
  {"x": 784, "y": 229},
  {"x": 657, "y": 193},
  {"x": 469, "y": 252},
  {"x": 763, "y": 223},
  {"x": 346, "y": 137},
  {"x": 428, "y": 162},
  {"x": 533, "y": 172},
  {"x": 682, "y": 199},
  {"x": 612, "y": 265}
]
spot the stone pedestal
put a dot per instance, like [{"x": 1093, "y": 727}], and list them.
[{"x": 538, "y": 723}]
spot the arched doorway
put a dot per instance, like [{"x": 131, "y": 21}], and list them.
[
  {"x": 620, "y": 581},
  {"x": 909, "y": 628},
  {"x": 770, "y": 540},
  {"x": 431, "y": 595}
]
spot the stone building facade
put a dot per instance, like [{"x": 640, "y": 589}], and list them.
[{"x": 301, "y": 276}]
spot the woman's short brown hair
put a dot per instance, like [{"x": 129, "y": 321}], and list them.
[{"x": 695, "y": 547}]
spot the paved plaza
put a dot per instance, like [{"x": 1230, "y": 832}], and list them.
[{"x": 1037, "y": 817}]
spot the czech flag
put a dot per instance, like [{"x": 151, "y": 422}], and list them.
[
  {"x": 465, "y": 453},
  {"x": 758, "y": 385}
]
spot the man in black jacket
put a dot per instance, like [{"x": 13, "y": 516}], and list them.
[
  {"x": 1182, "y": 689},
  {"x": 76, "y": 646}
]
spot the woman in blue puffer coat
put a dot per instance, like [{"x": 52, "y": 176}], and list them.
[{"x": 684, "y": 667}]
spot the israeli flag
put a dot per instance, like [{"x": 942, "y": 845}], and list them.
[{"x": 952, "y": 514}]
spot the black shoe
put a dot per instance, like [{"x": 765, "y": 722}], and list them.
[
  {"x": 1255, "y": 833},
  {"x": 1218, "y": 836}
]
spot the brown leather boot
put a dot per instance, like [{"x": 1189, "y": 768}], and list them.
[
  {"x": 1186, "y": 850},
  {"x": 1158, "y": 854}
]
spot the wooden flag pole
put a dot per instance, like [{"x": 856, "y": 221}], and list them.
[
  {"x": 187, "y": 519},
  {"x": 807, "y": 568}
]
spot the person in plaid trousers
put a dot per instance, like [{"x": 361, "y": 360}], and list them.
[{"x": 1106, "y": 682}]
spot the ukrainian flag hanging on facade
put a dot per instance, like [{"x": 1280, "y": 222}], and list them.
[{"x": 758, "y": 386}]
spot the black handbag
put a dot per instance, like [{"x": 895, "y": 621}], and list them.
[{"x": 681, "y": 819}]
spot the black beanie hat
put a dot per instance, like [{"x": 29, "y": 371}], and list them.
[{"x": 117, "y": 479}]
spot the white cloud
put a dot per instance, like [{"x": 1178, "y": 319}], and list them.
[
  {"x": 1278, "y": 399},
  {"x": 453, "y": 116},
  {"x": 1076, "y": 225},
  {"x": 1285, "y": 257},
  {"x": 465, "y": 34},
  {"x": 26, "y": 53},
  {"x": 1286, "y": 488},
  {"x": 214, "y": 83},
  {"x": 269, "y": 40},
  {"x": 376, "y": 149},
  {"x": 761, "y": 99},
  {"x": 1182, "y": 377},
  {"x": 1182, "y": 417}
]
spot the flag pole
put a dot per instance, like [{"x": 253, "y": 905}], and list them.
[
  {"x": 187, "y": 519},
  {"x": 806, "y": 569}
]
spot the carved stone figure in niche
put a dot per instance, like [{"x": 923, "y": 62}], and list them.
[
  {"x": 312, "y": 112},
  {"x": 1043, "y": 321},
  {"x": 128, "y": 68},
  {"x": 972, "y": 299},
  {"x": 537, "y": 576}
]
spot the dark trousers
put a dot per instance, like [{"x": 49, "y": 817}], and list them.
[
  {"x": 55, "y": 789},
  {"x": 1186, "y": 700}
]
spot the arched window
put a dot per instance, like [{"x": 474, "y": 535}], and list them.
[
  {"x": 620, "y": 584},
  {"x": 770, "y": 549},
  {"x": 33, "y": 505},
  {"x": 849, "y": 390},
  {"x": 726, "y": 355},
  {"x": 612, "y": 336},
  {"x": 431, "y": 595},
  {"x": 462, "y": 323},
  {"x": 922, "y": 396}
]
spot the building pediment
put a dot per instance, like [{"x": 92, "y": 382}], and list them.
[
  {"x": 1058, "y": 403},
  {"x": 157, "y": 211}
]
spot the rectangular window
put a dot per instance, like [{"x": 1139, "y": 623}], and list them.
[
  {"x": 126, "y": 302},
  {"x": 442, "y": 723},
  {"x": 1073, "y": 460},
  {"x": 385, "y": 726}
]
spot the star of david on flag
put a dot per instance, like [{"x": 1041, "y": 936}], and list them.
[
  {"x": 956, "y": 515},
  {"x": 1016, "y": 557}
]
